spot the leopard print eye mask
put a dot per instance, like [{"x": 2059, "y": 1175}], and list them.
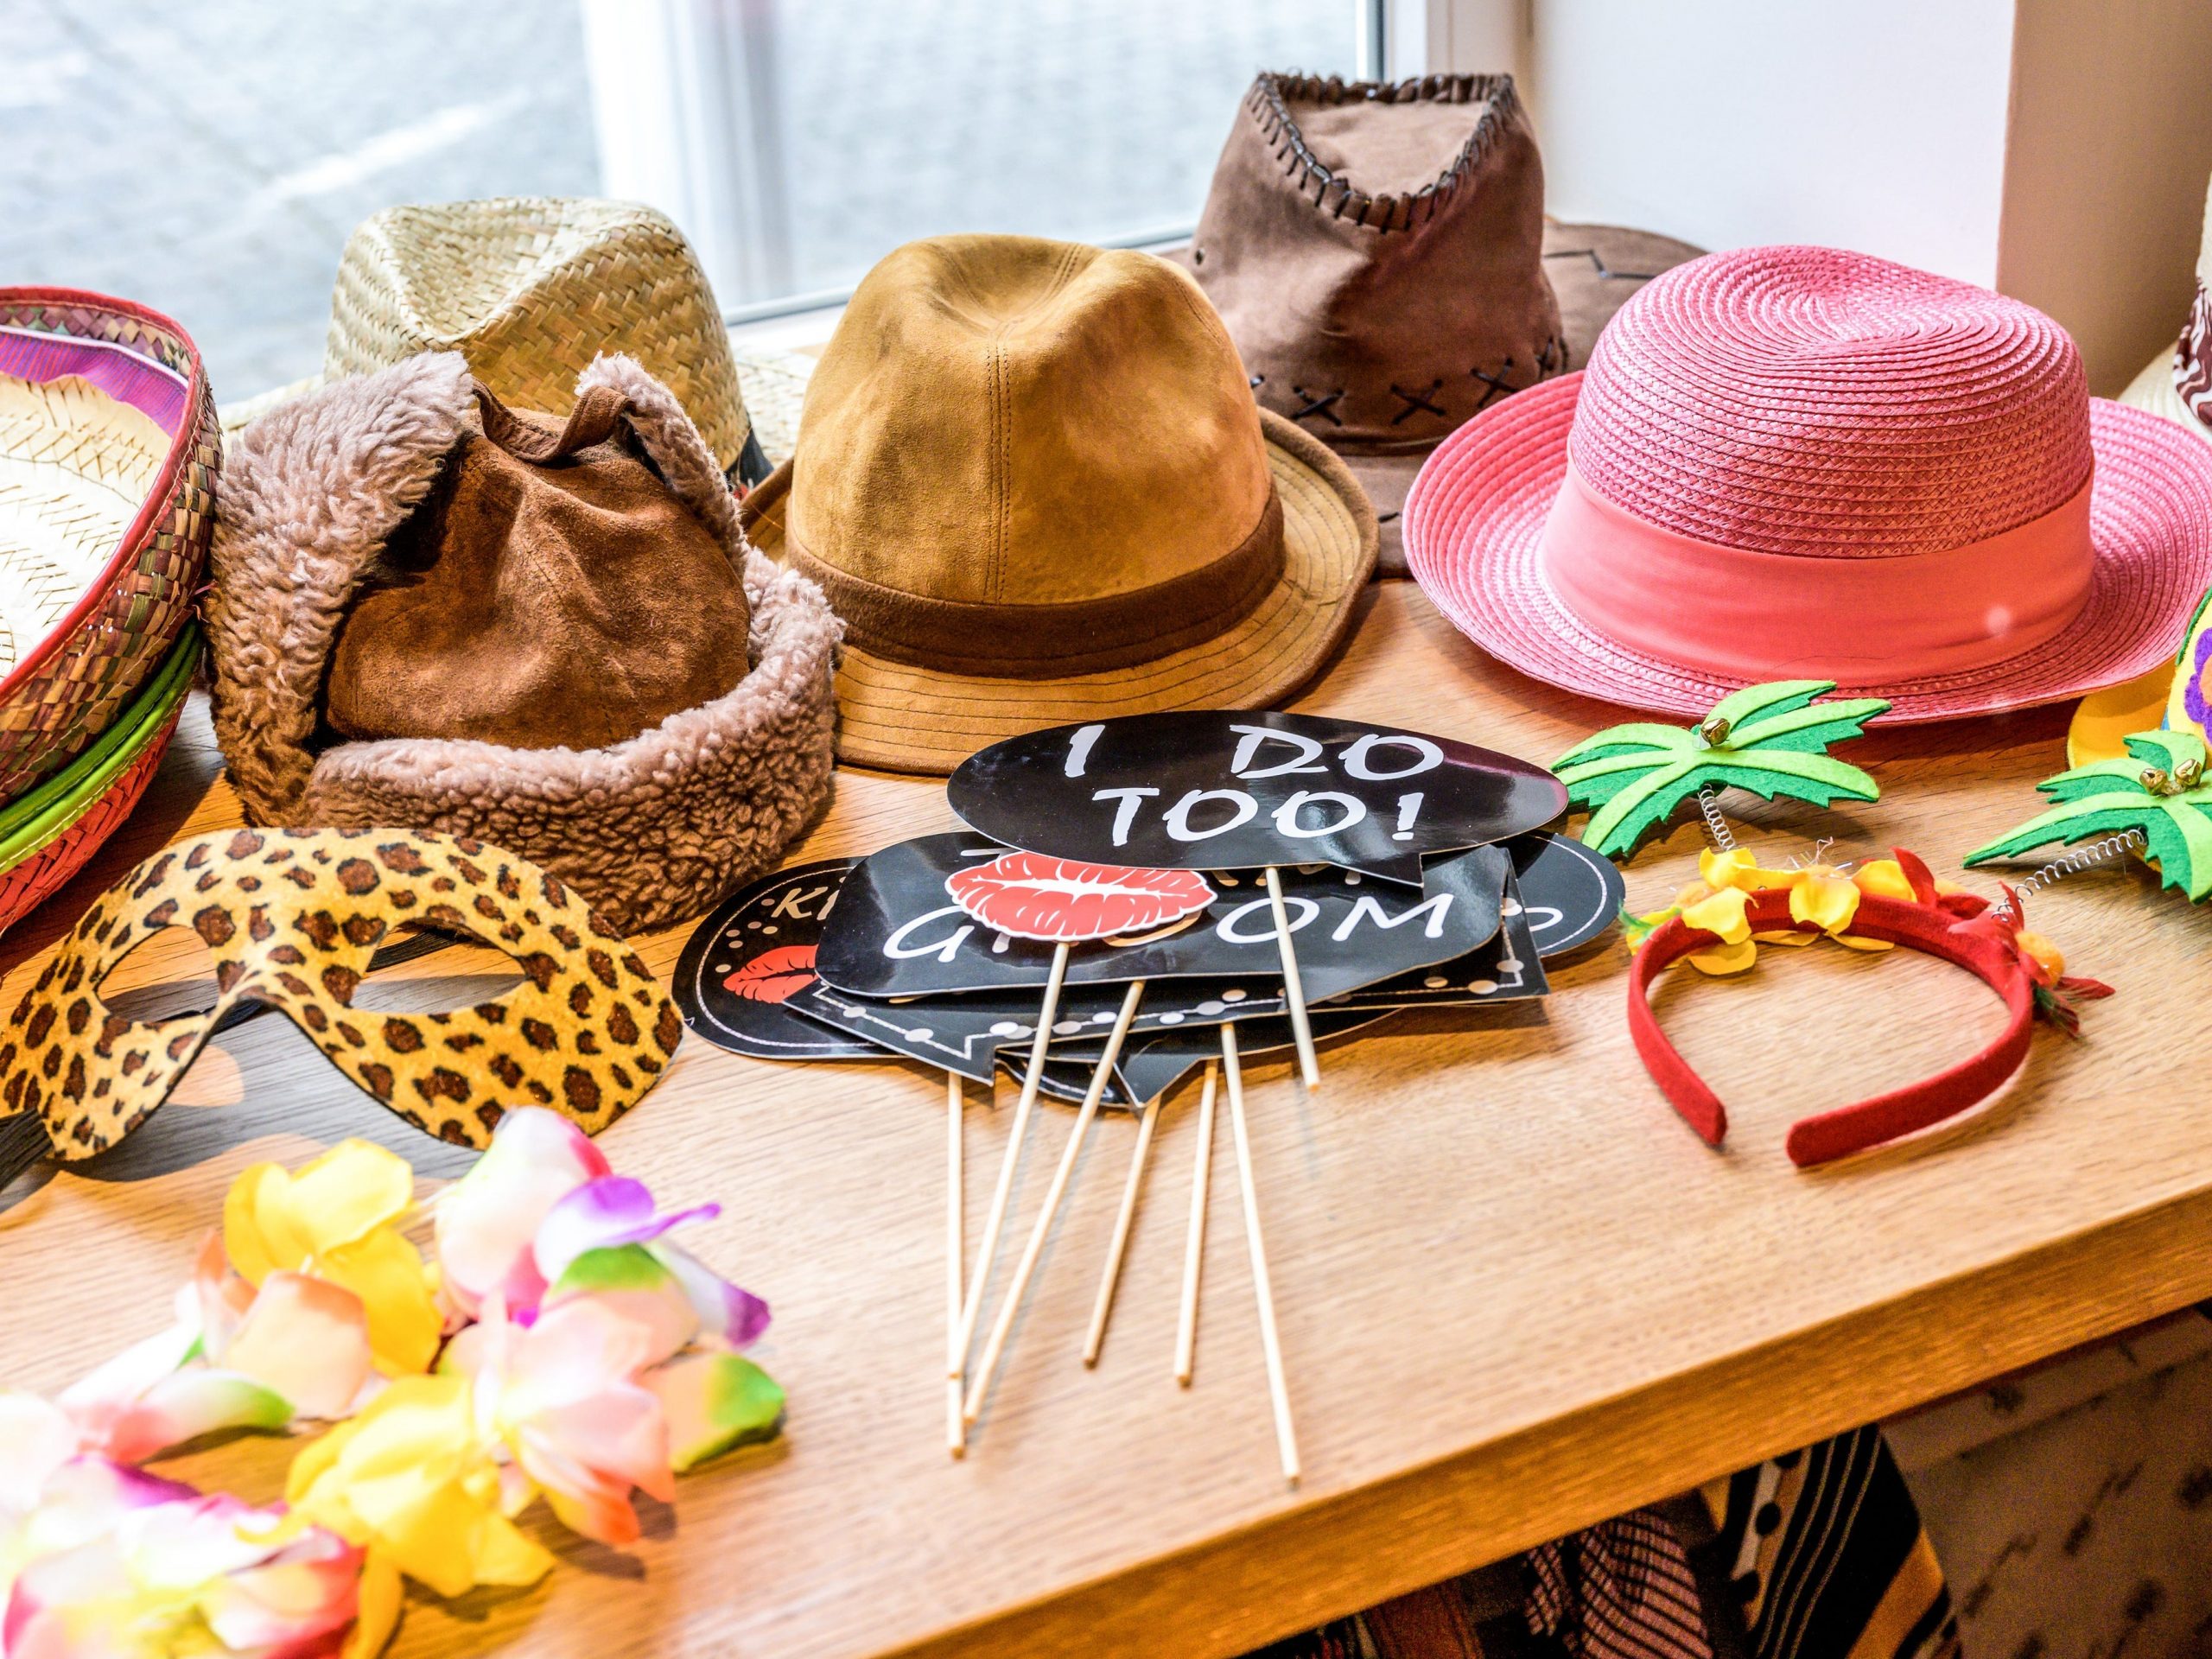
[{"x": 291, "y": 918}]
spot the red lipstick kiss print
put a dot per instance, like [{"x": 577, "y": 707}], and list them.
[
  {"x": 1032, "y": 897},
  {"x": 773, "y": 976}
]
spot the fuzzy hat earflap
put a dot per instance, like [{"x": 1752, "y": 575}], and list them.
[{"x": 431, "y": 611}]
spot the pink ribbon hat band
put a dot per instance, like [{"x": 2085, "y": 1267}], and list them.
[{"x": 1799, "y": 462}]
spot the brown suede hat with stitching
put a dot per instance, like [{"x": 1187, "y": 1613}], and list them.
[
  {"x": 1030, "y": 478},
  {"x": 1379, "y": 253}
]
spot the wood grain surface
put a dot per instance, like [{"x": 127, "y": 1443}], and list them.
[{"x": 1516, "y": 1294}]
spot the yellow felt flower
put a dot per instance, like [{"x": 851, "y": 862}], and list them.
[
  {"x": 338, "y": 1220},
  {"x": 1819, "y": 894},
  {"x": 410, "y": 1478},
  {"x": 1738, "y": 869},
  {"x": 1829, "y": 901},
  {"x": 2041, "y": 952},
  {"x": 1824, "y": 899},
  {"x": 1722, "y": 914},
  {"x": 1885, "y": 878}
]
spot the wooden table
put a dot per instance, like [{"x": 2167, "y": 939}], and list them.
[{"x": 1516, "y": 1296}]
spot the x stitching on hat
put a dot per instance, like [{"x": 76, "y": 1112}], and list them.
[
  {"x": 1495, "y": 384},
  {"x": 1418, "y": 400},
  {"x": 1323, "y": 404}
]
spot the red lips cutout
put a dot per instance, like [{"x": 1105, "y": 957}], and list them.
[
  {"x": 1033, "y": 897},
  {"x": 774, "y": 975}
]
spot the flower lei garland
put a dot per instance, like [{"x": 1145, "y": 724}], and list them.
[
  {"x": 559, "y": 1345},
  {"x": 1718, "y": 922}
]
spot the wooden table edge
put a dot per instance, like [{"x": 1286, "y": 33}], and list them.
[{"x": 1278, "y": 1576}]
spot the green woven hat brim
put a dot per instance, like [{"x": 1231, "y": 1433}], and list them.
[{"x": 34, "y": 819}]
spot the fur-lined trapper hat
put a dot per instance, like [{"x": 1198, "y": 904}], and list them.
[{"x": 390, "y": 502}]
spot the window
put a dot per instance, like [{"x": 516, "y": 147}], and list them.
[{"x": 210, "y": 160}]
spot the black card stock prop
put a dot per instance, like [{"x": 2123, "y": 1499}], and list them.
[
  {"x": 745, "y": 982},
  {"x": 1134, "y": 899},
  {"x": 1230, "y": 791},
  {"x": 1572, "y": 895},
  {"x": 1226, "y": 790},
  {"x": 743, "y": 965},
  {"x": 1028, "y": 895},
  {"x": 1505, "y": 968},
  {"x": 896, "y": 933},
  {"x": 975, "y": 1034}
]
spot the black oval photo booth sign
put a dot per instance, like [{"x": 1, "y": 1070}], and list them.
[
  {"x": 744, "y": 964},
  {"x": 896, "y": 930},
  {"x": 1230, "y": 791}
]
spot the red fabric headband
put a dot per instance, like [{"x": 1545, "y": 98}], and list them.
[{"x": 1958, "y": 927}]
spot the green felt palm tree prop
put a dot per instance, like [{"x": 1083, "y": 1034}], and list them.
[
  {"x": 1772, "y": 740},
  {"x": 2157, "y": 792}
]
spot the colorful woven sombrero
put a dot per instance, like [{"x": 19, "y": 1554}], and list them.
[
  {"x": 48, "y": 832},
  {"x": 108, "y": 459},
  {"x": 1804, "y": 463}
]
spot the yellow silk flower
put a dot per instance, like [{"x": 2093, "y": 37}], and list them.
[
  {"x": 1819, "y": 893},
  {"x": 338, "y": 1220},
  {"x": 411, "y": 1479}
]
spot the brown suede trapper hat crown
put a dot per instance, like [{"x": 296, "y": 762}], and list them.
[
  {"x": 549, "y": 592},
  {"x": 1031, "y": 478},
  {"x": 1378, "y": 251},
  {"x": 433, "y": 612}
]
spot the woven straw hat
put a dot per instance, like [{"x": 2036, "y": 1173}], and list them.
[
  {"x": 531, "y": 289},
  {"x": 108, "y": 462},
  {"x": 76, "y": 465},
  {"x": 1801, "y": 462},
  {"x": 1033, "y": 482}
]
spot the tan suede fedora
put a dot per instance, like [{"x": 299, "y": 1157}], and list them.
[
  {"x": 1030, "y": 478},
  {"x": 1380, "y": 255}
]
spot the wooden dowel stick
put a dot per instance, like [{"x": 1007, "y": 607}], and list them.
[
  {"x": 1278, "y": 1390},
  {"x": 1293, "y": 988},
  {"x": 1194, "y": 1247},
  {"x": 956, "y": 1428},
  {"x": 995, "y": 1219},
  {"x": 1120, "y": 1246},
  {"x": 1004, "y": 1324}
]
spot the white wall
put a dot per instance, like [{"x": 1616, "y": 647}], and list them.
[
  {"x": 1876, "y": 124},
  {"x": 2104, "y": 183}
]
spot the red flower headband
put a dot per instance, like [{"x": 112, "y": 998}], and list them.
[{"x": 1737, "y": 902}]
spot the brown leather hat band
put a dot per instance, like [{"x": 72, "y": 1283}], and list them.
[{"x": 1015, "y": 641}]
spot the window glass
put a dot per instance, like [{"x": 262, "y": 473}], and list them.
[{"x": 209, "y": 160}]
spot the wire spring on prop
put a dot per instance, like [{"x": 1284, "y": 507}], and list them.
[
  {"x": 2073, "y": 863},
  {"x": 1716, "y": 827}
]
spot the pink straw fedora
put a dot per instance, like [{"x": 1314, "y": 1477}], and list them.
[{"x": 1804, "y": 463}]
